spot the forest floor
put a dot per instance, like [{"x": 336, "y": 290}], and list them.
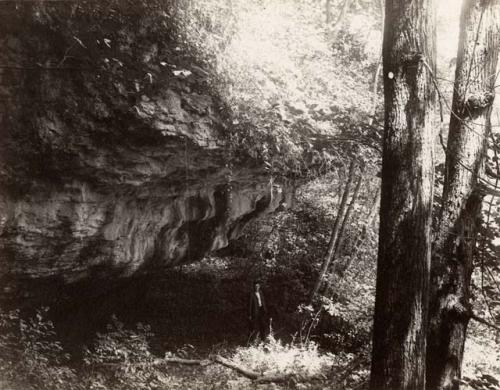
[{"x": 195, "y": 317}]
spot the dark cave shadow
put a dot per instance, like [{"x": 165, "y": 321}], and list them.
[{"x": 181, "y": 308}]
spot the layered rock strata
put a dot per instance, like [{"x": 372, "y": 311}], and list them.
[{"x": 114, "y": 152}]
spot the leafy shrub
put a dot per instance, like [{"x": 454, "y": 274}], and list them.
[
  {"x": 121, "y": 359},
  {"x": 275, "y": 356},
  {"x": 32, "y": 357}
]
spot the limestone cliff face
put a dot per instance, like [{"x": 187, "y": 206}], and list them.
[{"x": 114, "y": 154}]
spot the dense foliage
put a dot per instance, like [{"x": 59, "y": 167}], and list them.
[
  {"x": 328, "y": 338},
  {"x": 300, "y": 90},
  {"x": 288, "y": 77}
]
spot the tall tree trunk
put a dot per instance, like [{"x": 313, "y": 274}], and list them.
[
  {"x": 328, "y": 12},
  {"x": 456, "y": 231},
  {"x": 335, "y": 231},
  {"x": 376, "y": 76},
  {"x": 399, "y": 342},
  {"x": 345, "y": 221},
  {"x": 362, "y": 236}
]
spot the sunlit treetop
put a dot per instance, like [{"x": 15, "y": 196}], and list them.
[
  {"x": 283, "y": 70},
  {"x": 292, "y": 68}
]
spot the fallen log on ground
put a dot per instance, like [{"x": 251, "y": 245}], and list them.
[
  {"x": 239, "y": 369},
  {"x": 192, "y": 362},
  {"x": 246, "y": 372},
  {"x": 159, "y": 362},
  {"x": 266, "y": 378}
]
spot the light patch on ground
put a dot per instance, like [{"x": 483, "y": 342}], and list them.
[{"x": 481, "y": 356}]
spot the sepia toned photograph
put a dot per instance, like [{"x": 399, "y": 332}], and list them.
[{"x": 249, "y": 195}]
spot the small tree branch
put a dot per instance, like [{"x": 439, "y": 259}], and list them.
[
  {"x": 481, "y": 320},
  {"x": 342, "y": 13},
  {"x": 453, "y": 304}
]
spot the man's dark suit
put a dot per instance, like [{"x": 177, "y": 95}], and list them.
[{"x": 258, "y": 315}]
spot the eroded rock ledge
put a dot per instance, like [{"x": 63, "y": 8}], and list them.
[{"x": 112, "y": 160}]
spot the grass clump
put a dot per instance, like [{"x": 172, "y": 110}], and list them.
[{"x": 275, "y": 356}]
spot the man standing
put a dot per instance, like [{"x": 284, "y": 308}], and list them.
[{"x": 258, "y": 312}]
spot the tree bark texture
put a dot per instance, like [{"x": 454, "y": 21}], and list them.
[
  {"x": 456, "y": 230},
  {"x": 335, "y": 231},
  {"x": 399, "y": 335}
]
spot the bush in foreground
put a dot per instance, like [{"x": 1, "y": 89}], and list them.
[{"x": 31, "y": 357}]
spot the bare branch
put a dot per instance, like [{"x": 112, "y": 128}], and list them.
[
  {"x": 342, "y": 13},
  {"x": 483, "y": 321}
]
